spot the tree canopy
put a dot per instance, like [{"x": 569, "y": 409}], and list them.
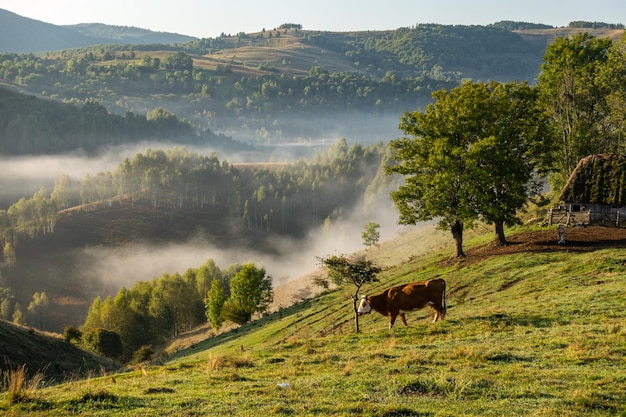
[
  {"x": 472, "y": 154},
  {"x": 151, "y": 312},
  {"x": 250, "y": 292}
]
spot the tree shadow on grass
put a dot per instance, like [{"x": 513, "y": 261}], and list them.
[
  {"x": 102, "y": 401},
  {"x": 404, "y": 412},
  {"x": 500, "y": 320}
]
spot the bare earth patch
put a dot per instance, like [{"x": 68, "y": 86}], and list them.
[{"x": 577, "y": 239}]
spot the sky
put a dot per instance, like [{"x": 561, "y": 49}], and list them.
[{"x": 210, "y": 18}]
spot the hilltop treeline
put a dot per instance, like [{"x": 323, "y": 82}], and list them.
[
  {"x": 440, "y": 52},
  {"x": 595, "y": 25}
]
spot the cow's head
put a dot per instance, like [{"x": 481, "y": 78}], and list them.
[{"x": 364, "y": 306}]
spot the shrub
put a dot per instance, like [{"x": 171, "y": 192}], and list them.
[
  {"x": 71, "y": 333},
  {"x": 236, "y": 314},
  {"x": 104, "y": 342},
  {"x": 144, "y": 353}
]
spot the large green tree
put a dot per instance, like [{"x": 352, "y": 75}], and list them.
[
  {"x": 575, "y": 95},
  {"x": 513, "y": 153},
  {"x": 614, "y": 74},
  {"x": 472, "y": 154},
  {"x": 433, "y": 160}
]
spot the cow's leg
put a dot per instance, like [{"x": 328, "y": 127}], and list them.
[
  {"x": 403, "y": 319},
  {"x": 436, "y": 316},
  {"x": 392, "y": 320},
  {"x": 439, "y": 312}
]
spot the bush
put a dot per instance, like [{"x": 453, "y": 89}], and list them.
[
  {"x": 144, "y": 353},
  {"x": 104, "y": 342},
  {"x": 235, "y": 313},
  {"x": 71, "y": 333}
]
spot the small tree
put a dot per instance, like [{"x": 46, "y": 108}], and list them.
[
  {"x": 143, "y": 354},
  {"x": 235, "y": 313},
  {"x": 214, "y": 303},
  {"x": 371, "y": 235},
  {"x": 250, "y": 292},
  {"x": 358, "y": 272},
  {"x": 37, "y": 309},
  {"x": 8, "y": 253},
  {"x": 18, "y": 315}
]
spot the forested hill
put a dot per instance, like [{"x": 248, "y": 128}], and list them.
[
  {"x": 36, "y": 126},
  {"x": 285, "y": 84},
  {"x": 71, "y": 243}
]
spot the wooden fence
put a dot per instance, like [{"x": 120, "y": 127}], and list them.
[
  {"x": 587, "y": 217},
  {"x": 569, "y": 217}
]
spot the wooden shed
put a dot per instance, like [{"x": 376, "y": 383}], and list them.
[{"x": 594, "y": 193}]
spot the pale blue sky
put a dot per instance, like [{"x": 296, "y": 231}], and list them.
[{"x": 210, "y": 18}]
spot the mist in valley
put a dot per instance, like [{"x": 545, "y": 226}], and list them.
[
  {"x": 102, "y": 270},
  {"x": 284, "y": 259},
  {"x": 362, "y": 127},
  {"x": 23, "y": 176}
]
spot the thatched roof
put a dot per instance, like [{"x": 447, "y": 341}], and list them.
[{"x": 597, "y": 179}]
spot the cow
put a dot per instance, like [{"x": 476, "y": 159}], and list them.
[{"x": 397, "y": 301}]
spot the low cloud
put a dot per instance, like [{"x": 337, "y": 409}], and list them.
[{"x": 291, "y": 259}]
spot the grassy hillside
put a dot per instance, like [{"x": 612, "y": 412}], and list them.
[
  {"x": 289, "y": 54},
  {"x": 48, "y": 354},
  {"x": 527, "y": 333}
]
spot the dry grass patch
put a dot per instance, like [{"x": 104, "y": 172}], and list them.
[
  {"x": 217, "y": 362},
  {"x": 19, "y": 385}
]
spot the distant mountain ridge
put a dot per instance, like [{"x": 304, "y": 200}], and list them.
[
  {"x": 20, "y": 34},
  {"x": 129, "y": 34}
]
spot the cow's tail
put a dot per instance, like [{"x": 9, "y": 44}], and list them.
[{"x": 444, "y": 299}]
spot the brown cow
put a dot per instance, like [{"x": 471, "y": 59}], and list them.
[{"x": 396, "y": 301}]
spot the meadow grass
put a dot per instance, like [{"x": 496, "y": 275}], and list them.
[{"x": 526, "y": 335}]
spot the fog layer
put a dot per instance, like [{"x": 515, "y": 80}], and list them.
[{"x": 117, "y": 267}]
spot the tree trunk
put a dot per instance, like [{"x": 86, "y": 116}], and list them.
[
  {"x": 457, "y": 235},
  {"x": 356, "y": 313},
  {"x": 500, "y": 238}
]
